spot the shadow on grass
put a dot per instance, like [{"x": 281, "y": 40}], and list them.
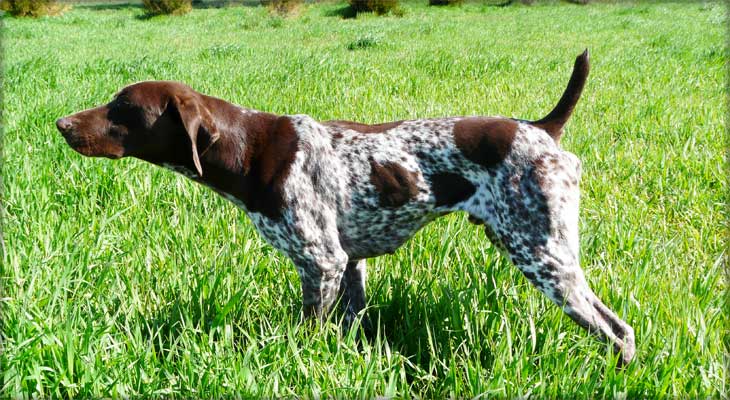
[
  {"x": 199, "y": 311},
  {"x": 344, "y": 12},
  {"x": 426, "y": 327}
]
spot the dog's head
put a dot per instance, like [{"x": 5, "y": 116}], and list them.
[{"x": 157, "y": 121}]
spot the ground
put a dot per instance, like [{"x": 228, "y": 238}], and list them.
[{"x": 122, "y": 279}]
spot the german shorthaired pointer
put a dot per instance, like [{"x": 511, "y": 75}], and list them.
[{"x": 331, "y": 194}]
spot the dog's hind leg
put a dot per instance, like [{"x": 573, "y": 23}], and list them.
[
  {"x": 559, "y": 277},
  {"x": 352, "y": 292},
  {"x": 535, "y": 221}
]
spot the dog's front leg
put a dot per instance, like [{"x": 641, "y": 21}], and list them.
[
  {"x": 309, "y": 237},
  {"x": 320, "y": 284},
  {"x": 314, "y": 247}
]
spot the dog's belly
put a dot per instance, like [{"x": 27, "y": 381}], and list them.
[{"x": 371, "y": 233}]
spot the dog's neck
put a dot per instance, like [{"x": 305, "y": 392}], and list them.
[
  {"x": 250, "y": 160},
  {"x": 241, "y": 133},
  {"x": 232, "y": 165}
]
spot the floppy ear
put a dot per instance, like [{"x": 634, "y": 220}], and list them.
[{"x": 198, "y": 124}]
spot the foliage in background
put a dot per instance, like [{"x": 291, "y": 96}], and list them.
[
  {"x": 379, "y": 7},
  {"x": 284, "y": 7},
  {"x": 171, "y": 7},
  {"x": 445, "y": 2},
  {"x": 30, "y": 8}
]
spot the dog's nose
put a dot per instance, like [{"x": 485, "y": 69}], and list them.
[{"x": 64, "y": 125}]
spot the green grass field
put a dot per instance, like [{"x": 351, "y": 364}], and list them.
[{"x": 121, "y": 279}]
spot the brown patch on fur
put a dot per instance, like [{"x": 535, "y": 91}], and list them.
[
  {"x": 278, "y": 153},
  {"x": 363, "y": 128},
  {"x": 485, "y": 141},
  {"x": 449, "y": 188},
  {"x": 271, "y": 144},
  {"x": 395, "y": 185}
]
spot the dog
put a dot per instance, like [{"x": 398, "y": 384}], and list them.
[{"x": 331, "y": 194}]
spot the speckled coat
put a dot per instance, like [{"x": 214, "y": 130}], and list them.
[{"x": 331, "y": 194}]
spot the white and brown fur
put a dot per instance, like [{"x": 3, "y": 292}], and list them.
[{"x": 331, "y": 194}]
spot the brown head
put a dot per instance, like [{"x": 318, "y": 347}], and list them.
[{"x": 157, "y": 121}]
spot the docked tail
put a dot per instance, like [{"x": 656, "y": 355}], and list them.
[{"x": 553, "y": 122}]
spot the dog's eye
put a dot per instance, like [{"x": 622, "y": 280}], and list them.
[
  {"x": 118, "y": 131},
  {"x": 124, "y": 115}
]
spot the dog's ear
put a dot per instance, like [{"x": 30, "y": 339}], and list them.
[{"x": 199, "y": 125}]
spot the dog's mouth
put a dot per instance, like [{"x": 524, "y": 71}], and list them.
[
  {"x": 82, "y": 145},
  {"x": 78, "y": 143}
]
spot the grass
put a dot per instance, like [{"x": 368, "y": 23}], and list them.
[{"x": 120, "y": 279}]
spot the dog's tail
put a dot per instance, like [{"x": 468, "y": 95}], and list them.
[{"x": 553, "y": 123}]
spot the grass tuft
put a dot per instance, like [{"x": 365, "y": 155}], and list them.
[{"x": 364, "y": 42}]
